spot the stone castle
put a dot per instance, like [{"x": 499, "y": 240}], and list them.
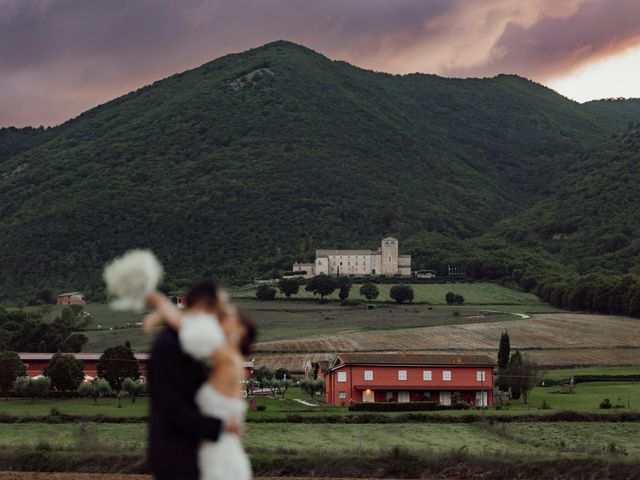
[{"x": 384, "y": 261}]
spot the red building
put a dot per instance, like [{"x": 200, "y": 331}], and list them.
[
  {"x": 71, "y": 298},
  {"x": 36, "y": 362},
  {"x": 382, "y": 377}
]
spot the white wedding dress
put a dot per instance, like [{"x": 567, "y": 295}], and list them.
[{"x": 225, "y": 459}]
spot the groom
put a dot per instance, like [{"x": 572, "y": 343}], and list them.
[{"x": 177, "y": 427}]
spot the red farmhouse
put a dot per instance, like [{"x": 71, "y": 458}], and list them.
[
  {"x": 36, "y": 362},
  {"x": 71, "y": 298},
  {"x": 369, "y": 377}
]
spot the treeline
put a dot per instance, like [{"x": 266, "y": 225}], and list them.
[{"x": 23, "y": 331}]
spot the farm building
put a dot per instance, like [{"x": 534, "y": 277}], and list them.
[
  {"x": 36, "y": 362},
  {"x": 384, "y": 261},
  {"x": 71, "y": 298},
  {"x": 383, "y": 377}
]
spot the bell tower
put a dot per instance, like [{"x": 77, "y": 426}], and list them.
[{"x": 389, "y": 250}]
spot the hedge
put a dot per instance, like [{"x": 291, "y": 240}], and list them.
[{"x": 405, "y": 407}]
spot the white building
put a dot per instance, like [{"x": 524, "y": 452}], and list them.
[{"x": 384, "y": 261}]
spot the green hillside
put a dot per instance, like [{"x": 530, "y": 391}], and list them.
[{"x": 239, "y": 167}]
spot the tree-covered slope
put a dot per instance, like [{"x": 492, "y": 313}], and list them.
[
  {"x": 591, "y": 218},
  {"x": 240, "y": 166}
]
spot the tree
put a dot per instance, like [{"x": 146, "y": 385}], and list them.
[
  {"x": 265, "y": 292},
  {"x": 504, "y": 353},
  {"x": 75, "y": 342},
  {"x": 133, "y": 388},
  {"x": 22, "y": 387},
  {"x": 322, "y": 285},
  {"x": 524, "y": 374},
  {"x": 262, "y": 373},
  {"x": 11, "y": 367},
  {"x": 282, "y": 373},
  {"x": 120, "y": 395},
  {"x": 454, "y": 299},
  {"x": 369, "y": 291},
  {"x": 88, "y": 390},
  {"x": 289, "y": 286},
  {"x": 42, "y": 347},
  {"x": 45, "y": 297},
  {"x": 65, "y": 372},
  {"x": 401, "y": 293},
  {"x": 32, "y": 388},
  {"x": 116, "y": 364},
  {"x": 312, "y": 387},
  {"x": 515, "y": 363},
  {"x": 102, "y": 388},
  {"x": 344, "y": 285}
]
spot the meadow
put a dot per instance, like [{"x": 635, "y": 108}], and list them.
[
  {"x": 514, "y": 438},
  {"x": 480, "y": 293}
]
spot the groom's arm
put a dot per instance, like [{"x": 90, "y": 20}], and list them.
[{"x": 178, "y": 410}]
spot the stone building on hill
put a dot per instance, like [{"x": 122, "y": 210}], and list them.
[{"x": 385, "y": 261}]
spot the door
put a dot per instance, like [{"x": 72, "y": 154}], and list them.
[
  {"x": 481, "y": 399},
  {"x": 403, "y": 397},
  {"x": 368, "y": 396},
  {"x": 445, "y": 398}
]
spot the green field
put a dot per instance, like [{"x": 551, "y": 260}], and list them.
[
  {"x": 434, "y": 294},
  {"x": 304, "y": 316},
  {"x": 520, "y": 438}
]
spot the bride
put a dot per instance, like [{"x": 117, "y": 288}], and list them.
[{"x": 223, "y": 343}]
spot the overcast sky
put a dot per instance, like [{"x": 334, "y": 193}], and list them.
[{"x": 59, "y": 58}]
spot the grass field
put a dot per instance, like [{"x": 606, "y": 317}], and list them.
[
  {"x": 473, "y": 293},
  {"x": 281, "y": 320},
  {"x": 588, "y": 438}
]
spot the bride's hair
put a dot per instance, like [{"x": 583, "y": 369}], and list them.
[{"x": 250, "y": 332}]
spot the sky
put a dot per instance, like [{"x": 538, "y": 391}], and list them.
[{"x": 59, "y": 58}]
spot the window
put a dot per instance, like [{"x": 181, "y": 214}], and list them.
[
  {"x": 368, "y": 375},
  {"x": 342, "y": 395},
  {"x": 446, "y": 375},
  {"x": 389, "y": 396},
  {"x": 426, "y": 375},
  {"x": 480, "y": 376},
  {"x": 402, "y": 374},
  {"x": 342, "y": 376}
]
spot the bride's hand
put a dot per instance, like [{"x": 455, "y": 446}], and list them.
[{"x": 232, "y": 425}]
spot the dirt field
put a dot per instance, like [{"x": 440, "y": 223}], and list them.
[
  {"x": 92, "y": 476},
  {"x": 556, "y": 339}
]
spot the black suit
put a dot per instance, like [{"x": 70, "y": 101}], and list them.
[{"x": 177, "y": 426}]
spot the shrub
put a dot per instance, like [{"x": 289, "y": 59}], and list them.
[
  {"x": 401, "y": 293},
  {"x": 606, "y": 404},
  {"x": 405, "y": 407},
  {"x": 261, "y": 408},
  {"x": 288, "y": 287},
  {"x": 265, "y": 292},
  {"x": 369, "y": 291}
]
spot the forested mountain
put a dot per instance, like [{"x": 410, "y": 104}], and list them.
[{"x": 242, "y": 165}]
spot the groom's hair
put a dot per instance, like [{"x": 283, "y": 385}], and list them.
[
  {"x": 250, "y": 332},
  {"x": 202, "y": 291}
]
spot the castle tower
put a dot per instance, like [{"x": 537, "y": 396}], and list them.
[{"x": 389, "y": 250}]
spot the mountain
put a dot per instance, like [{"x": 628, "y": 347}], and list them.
[{"x": 253, "y": 160}]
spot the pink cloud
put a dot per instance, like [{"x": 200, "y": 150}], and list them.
[{"x": 66, "y": 56}]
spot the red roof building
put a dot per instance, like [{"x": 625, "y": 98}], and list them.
[
  {"x": 383, "y": 377},
  {"x": 36, "y": 362},
  {"x": 71, "y": 298}
]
